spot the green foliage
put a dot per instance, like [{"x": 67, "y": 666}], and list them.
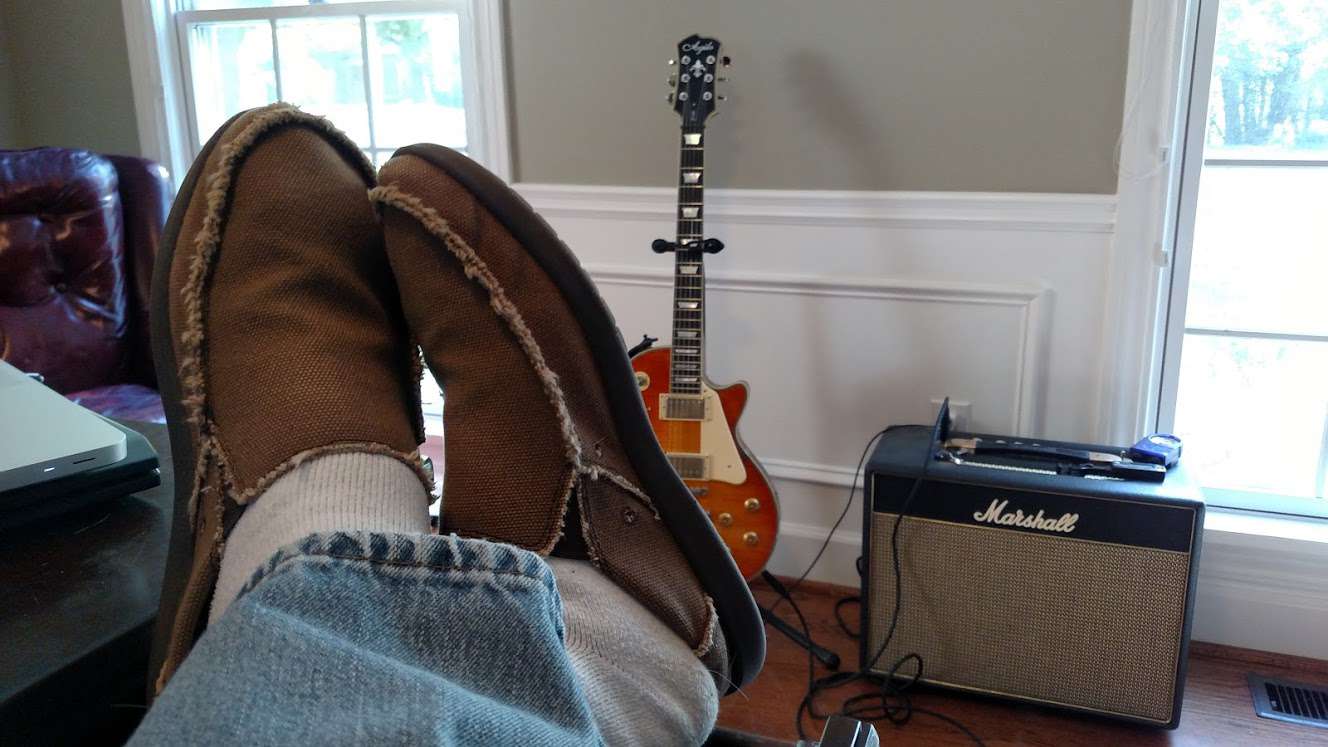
[
  {"x": 1270, "y": 75},
  {"x": 414, "y": 78},
  {"x": 407, "y": 34}
]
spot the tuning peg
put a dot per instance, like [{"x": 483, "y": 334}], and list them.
[
  {"x": 670, "y": 97},
  {"x": 726, "y": 60},
  {"x": 722, "y": 79},
  {"x": 722, "y": 98},
  {"x": 673, "y": 80},
  {"x": 672, "y": 62}
]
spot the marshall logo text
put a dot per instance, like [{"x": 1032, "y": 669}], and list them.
[{"x": 996, "y": 514}]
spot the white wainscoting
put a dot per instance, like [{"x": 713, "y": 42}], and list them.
[{"x": 849, "y": 311}]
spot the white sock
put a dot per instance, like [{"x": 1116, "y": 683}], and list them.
[
  {"x": 352, "y": 491},
  {"x": 644, "y": 684}
]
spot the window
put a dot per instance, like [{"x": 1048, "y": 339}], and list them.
[
  {"x": 388, "y": 73},
  {"x": 1245, "y": 376}
]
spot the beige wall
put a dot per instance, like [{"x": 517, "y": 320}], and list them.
[
  {"x": 70, "y": 75},
  {"x": 8, "y": 117},
  {"x": 996, "y": 95}
]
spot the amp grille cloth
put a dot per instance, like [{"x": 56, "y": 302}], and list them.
[{"x": 1071, "y": 622}]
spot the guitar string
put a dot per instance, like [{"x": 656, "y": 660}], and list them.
[{"x": 688, "y": 287}]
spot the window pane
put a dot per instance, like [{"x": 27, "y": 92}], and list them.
[
  {"x": 1269, "y": 95},
  {"x": 1252, "y": 412},
  {"x": 224, "y": 4},
  {"x": 417, "y": 91},
  {"x": 431, "y": 398},
  {"x": 378, "y": 157},
  {"x": 1260, "y": 250},
  {"x": 322, "y": 71},
  {"x": 232, "y": 70}
]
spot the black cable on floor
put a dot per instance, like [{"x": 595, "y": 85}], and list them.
[{"x": 839, "y": 618}]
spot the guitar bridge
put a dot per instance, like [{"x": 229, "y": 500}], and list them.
[
  {"x": 691, "y": 466},
  {"x": 684, "y": 407}
]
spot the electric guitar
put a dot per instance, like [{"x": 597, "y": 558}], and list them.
[{"x": 695, "y": 421}]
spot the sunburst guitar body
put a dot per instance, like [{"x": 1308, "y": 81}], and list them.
[{"x": 713, "y": 461}]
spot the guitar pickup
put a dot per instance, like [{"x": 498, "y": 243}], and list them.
[
  {"x": 684, "y": 407},
  {"x": 691, "y": 466}
]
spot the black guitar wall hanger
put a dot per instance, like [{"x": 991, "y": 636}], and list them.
[{"x": 709, "y": 246}]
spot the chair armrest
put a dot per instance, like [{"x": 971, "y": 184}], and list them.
[{"x": 145, "y": 199}]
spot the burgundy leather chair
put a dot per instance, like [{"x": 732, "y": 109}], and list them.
[{"x": 78, "y": 233}]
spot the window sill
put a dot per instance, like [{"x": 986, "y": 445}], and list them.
[
  {"x": 1261, "y": 582},
  {"x": 1257, "y": 528}
]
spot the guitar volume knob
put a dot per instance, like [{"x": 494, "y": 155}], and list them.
[
  {"x": 752, "y": 504},
  {"x": 726, "y": 519},
  {"x": 750, "y": 538}
]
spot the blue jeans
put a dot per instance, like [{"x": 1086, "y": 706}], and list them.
[{"x": 366, "y": 638}]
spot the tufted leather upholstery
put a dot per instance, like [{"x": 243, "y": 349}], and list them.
[{"x": 78, "y": 233}]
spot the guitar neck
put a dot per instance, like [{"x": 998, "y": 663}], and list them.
[{"x": 687, "y": 363}]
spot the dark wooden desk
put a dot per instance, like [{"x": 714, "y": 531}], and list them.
[{"x": 79, "y": 595}]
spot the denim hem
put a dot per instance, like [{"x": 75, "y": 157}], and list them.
[{"x": 444, "y": 553}]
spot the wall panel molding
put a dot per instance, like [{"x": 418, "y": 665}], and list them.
[
  {"x": 1077, "y": 213},
  {"x": 1029, "y": 299},
  {"x": 811, "y": 473}
]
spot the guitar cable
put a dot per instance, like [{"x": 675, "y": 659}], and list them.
[
  {"x": 891, "y": 702},
  {"x": 853, "y": 489}
]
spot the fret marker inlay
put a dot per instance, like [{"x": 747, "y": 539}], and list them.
[{"x": 686, "y": 367}]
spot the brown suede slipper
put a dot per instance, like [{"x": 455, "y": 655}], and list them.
[
  {"x": 544, "y": 422},
  {"x": 277, "y": 337}
]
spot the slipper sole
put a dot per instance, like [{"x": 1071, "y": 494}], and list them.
[{"x": 180, "y": 552}]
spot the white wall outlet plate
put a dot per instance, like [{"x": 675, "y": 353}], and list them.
[{"x": 961, "y": 412}]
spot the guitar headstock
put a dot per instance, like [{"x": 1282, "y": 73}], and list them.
[{"x": 693, "y": 95}]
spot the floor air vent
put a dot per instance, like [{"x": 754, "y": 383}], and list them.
[{"x": 1289, "y": 701}]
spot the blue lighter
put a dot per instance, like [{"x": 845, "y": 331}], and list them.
[{"x": 1159, "y": 448}]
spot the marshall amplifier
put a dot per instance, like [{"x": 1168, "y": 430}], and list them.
[{"x": 1024, "y": 584}]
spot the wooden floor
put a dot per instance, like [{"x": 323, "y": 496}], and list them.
[{"x": 1217, "y": 707}]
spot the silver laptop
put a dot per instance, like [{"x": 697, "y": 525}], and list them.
[{"x": 44, "y": 436}]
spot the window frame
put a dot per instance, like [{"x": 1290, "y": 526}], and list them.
[
  {"x": 1190, "y": 165},
  {"x": 163, "y": 98}
]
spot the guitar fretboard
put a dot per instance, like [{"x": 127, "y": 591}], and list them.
[{"x": 687, "y": 360}]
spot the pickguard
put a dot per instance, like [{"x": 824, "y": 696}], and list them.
[{"x": 719, "y": 449}]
